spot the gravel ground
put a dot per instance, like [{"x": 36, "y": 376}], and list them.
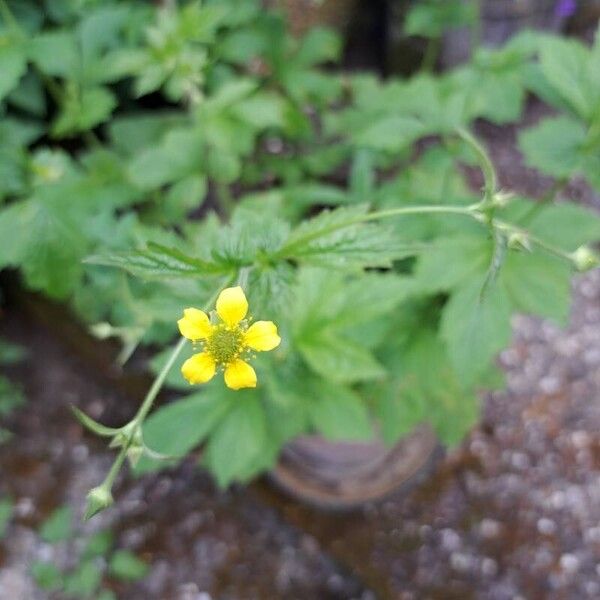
[{"x": 515, "y": 513}]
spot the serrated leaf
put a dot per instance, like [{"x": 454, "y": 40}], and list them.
[
  {"x": 564, "y": 63},
  {"x": 158, "y": 261},
  {"x": 390, "y": 133},
  {"x": 567, "y": 225},
  {"x": 84, "y": 581},
  {"x": 448, "y": 262},
  {"x": 425, "y": 389},
  {"x": 538, "y": 284},
  {"x": 83, "y": 110},
  {"x": 13, "y": 65},
  {"x": 239, "y": 440},
  {"x": 554, "y": 146},
  {"x": 476, "y": 327},
  {"x": 180, "y": 426},
  {"x": 339, "y": 359},
  {"x": 340, "y": 238},
  {"x": 338, "y": 413},
  {"x": 41, "y": 237},
  {"x": 178, "y": 155}
]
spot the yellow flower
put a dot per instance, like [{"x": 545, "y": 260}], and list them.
[{"x": 226, "y": 342}]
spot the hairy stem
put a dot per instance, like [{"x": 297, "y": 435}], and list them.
[
  {"x": 288, "y": 249},
  {"x": 489, "y": 173}
]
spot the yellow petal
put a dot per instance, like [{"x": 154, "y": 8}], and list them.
[
  {"x": 262, "y": 336},
  {"x": 232, "y": 305},
  {"x": 194, "y": 325},
  {"x": 200, "y": 368},
  {"x": 240, "y": 374}
]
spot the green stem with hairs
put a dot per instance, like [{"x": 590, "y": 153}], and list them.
[{"x": 288, "y": 249}]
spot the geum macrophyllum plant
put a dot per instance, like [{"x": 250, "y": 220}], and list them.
[
  {"x": 226, "y": 337},
  {"x": 226, "y": 342}
]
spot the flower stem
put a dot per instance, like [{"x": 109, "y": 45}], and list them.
[
  {"x": 489, "y": 173},
  {"x": 287, "y": 250}
]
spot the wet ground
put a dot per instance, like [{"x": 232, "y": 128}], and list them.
[{"x": 514, "y": 513}]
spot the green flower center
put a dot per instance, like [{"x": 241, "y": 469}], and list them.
[{"x": 225, "y": 344}]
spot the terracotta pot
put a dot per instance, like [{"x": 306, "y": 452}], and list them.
[{"x": 341, "y": 475}]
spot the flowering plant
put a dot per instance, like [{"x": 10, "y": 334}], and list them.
[{"x": 194, "y": 154}]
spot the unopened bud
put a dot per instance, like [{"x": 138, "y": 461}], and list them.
[
  {"x": 134, "y": 453},
  {"x": 102, "y": 330},
  {"x": 98, "y": 499},
  {"x": 502, "y": 198},
  {"x": 519, "y": 240},
  {"x": 585, "y": 259}
]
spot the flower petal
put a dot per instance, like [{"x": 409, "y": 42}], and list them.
[
  {"x": 262, "y": 336},
  {"x": 232, "y": 305},
  {"x": 239, "y": 374},
  {"x": 195, "y": 324},
  {"x": 200, "y": 368}
]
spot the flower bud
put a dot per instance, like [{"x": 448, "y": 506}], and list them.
[
  {"x": 518, "y": 240},
  {"x": 501, "y": 199},
  {"x": 585, "y": 259},
  {"x": 98, "y": 499}
]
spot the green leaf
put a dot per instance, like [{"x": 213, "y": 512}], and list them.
[
  {"x": 58, "y": 526},
  {"x": 338, "y": 413},
  {"x": 449, "y": 262},
  {"x": 83, "y": 109},
  {"x": 538, "y": 284},
  {"x": 338, "y": 238},
  {"x": 159, "y": 262},
  {"x": 55, "y": 53},
  {"x": 13, "y": 65},
  {"x": 339, "y": 359},
  {"x": 6, "y": 512},
  {"x": 424, "y": 388},
  {"x": 564, "y": 63},
  {"x": 47, "y": 576},
  {"x": 185, "y": 195},
  {"x": 99, "y": 544},
  {"x": 179, "y": 154},
  {"x": 239, "y": 440},
  {"x": 41, "y": 237},
  {"x": 390, "y": 133},
  {"x": 84, "y": 581},
  {"x": 127, "y": 566},
  {"x": 476, "y": 328},
  {"x": 261, "y": 110},
  {"x": 567, "y": 225},
  {"x": 554, "y": 146},
  {"x": 30, "y": 95},
  {"x": 431, "y": 18},
  {"x": 362, "y": 177},
  {"x": 11, "y": 396},
  {"x": 177, "y": 428},
  {"x": 319, "y": 45}
]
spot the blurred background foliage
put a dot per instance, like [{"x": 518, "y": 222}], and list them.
[{"x": 183, "y": 140}]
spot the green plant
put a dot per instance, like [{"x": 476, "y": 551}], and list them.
[
  {"x": 567, "y": 77},
  {"x": 197, "y": 146},
  {"x": 11, "y": 395},
  {"x": 96, "y": 562}
]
